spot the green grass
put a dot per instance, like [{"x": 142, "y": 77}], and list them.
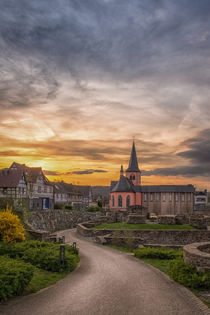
[
  {"x": 146, "y": 226},
  {"x": 120, "y": 248},
  {"x": 161, "y": 264},
  {"x": 42, "y": 279}
]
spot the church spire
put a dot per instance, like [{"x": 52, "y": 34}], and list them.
[
  {"x": 133, "y": 164},
  {"x": 121, "y": 170}
]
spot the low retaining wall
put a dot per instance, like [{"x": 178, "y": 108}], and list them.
[
  {"x": 173, "y": 237},
  {"x": 55, "y": 220},
  {"x": 197, "y": 254}
]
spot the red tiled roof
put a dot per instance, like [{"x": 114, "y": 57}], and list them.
[
  {"x": 31, "y": 172},
  {"x": 10, "y": 178}
]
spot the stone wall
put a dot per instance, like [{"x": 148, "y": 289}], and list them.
[
  {"x": 55, "y": 220},
  {"x": 197, "y": 254},
  {"x": 173, "y": 237}
]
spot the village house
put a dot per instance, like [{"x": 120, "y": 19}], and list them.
[
  {"x": 67, "y": 194},
  {"x": 12, "y": 184},
  {"x": 39, "y": 191},
  {"x": 160, "y": 199}
]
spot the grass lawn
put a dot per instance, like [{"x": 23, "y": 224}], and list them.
[
  {"x": 146, "y": 226},
  {"x": 42, "y": 279}
]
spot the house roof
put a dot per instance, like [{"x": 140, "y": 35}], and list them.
[
  {"x": 10, "y": 178},
  {"x": 83, "y": 190},
  {"x": 123, "y": 185},
  {"x": 133, "y": 163},
  {"x": 166, "y": 188},
  {"x": 31, "y": 173},
  {"x": 59, "y": 188}
]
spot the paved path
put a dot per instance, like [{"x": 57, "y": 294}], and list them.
[{"x": 108, "y": 282}]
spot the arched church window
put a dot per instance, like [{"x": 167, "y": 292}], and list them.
[
  {"x": 128, "y": 201},
  {"x": 134, "y": 177},
  {"x": 112, "y": 201},
  {"x": 131, "y": 177},
  {"x": 120, "y": 201}
]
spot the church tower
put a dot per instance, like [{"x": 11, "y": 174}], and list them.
[{"x": 133, "y": 172}]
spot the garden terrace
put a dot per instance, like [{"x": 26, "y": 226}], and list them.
[{"x": 141, "y": 235}]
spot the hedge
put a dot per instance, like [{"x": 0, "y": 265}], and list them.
[
  {"x": 15, "y": 275},
  {"x": 44, "y": 255},
  {"x": 157, "y": 253},
  {"x": 188, "y": 275}
]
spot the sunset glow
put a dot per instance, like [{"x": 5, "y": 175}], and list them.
[{"x": 80, "y": 79}]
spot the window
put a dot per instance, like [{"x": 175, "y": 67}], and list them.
[
  {"x": 151, "y": 196},
  {"x": 170, "y": 196},
  {"x": 112, "y": 201},
  {"x": 183, "y": 197},
  {"x": 120, "y": 201},
  {"x": 132, "y": 177},
  {"x": 189, "y": 196},
  {"x": 45, "y": 189},
  {"x": 128, "y": 201},
  {"x": 157, "y": 196},
  {"x": 145, "y": 196},
  {"x": 39, "y": 189},
  {"x": 164, "y": 196},
  {"x": 177, "y": 197}
]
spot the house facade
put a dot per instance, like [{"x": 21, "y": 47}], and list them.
[
  {"x": 161, "y": 199},
  {"x": 66, "y": 194},
  {"x": 39, "y": 190},
  {"x": 12, "y": 184}
]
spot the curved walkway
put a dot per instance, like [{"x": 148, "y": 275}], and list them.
[{"x": 108, "y": 282}]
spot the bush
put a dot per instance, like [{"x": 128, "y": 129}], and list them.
[
  {"x": 41, "y": 254},
  {"x": 93, "y": 209},
  {"x": 11, "y": 228},
  {"x": 58, "y": 206},
  {"x": 157, "y": 253},
  {"x": 188, "y": 276},
  {"x": 68, "y": 207},
  {"x": 15, "y": 275}
]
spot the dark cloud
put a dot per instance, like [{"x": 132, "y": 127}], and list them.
[
  {"x": 199, "y": 148},
  {"x": 186, "y": 171},
  {"x": 198, "y": 153},
  {"x": 83, "y": 172},
  {"x": 124, "y": 40},
  {"x": 87, "y": 172}
]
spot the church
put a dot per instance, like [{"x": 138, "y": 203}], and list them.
[{"x": 160, "y": 199}]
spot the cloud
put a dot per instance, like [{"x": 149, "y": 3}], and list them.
[
  {"x": 87, "y": 172},
  {"x": 83, "y": 172},
  {"x": 186, "y": 171},
  {"x": 51, "y": 173},
  {"x": 199, "y": 148}
]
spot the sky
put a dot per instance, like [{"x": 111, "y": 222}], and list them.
[{"x": 80, "y": 79}]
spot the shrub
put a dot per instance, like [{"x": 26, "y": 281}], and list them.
[
  {"x": 41, "y": 254},
  {"x": 188, "y": 276},
  {"x": 68, "y": 207},
  {"x": 157, "y": 253},
  {"x": 10, "y": 227},
  {"x": 58, "y": 206},
  {"x": 15, "y": 275},
  {"x": 93, "y": 209}
]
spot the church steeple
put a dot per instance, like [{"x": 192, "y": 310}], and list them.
[
  {"x": 133, "y": 164},
  {"x": 133, "y": 172},
  {"x": 121, "y": 170}
]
